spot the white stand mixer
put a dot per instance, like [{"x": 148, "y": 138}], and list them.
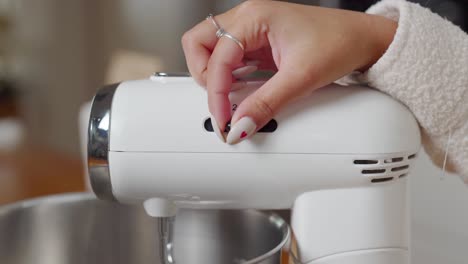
[{"x": 338, "y": 157}]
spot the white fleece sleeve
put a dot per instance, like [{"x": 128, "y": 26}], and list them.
[{"x": 426, "y": 68}]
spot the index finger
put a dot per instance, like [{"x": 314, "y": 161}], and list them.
[
  {"x": 225, "y": 57},
  {"x": 197, "y": 44}
]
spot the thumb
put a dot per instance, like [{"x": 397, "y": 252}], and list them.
[{"x": 258, "y": 109}]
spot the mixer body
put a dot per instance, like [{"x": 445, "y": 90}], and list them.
[{"x": 338, "y": 157}]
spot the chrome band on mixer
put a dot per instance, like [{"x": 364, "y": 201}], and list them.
[{"x": 98, "y": 143}]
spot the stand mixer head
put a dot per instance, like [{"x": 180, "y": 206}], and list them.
[{"x": 338, "y": 157}]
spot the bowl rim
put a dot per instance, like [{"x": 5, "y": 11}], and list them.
[
  {"x": 286, "y": 236},
  {"x": 54, "y": 198}
]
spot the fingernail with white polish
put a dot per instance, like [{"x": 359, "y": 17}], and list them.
[
  {"x": 252, "y": 62},
  {"x": 241, "y": 130},
  {"x": 243, "y": 71},
  {"x": 216, "y": 129},
  {"x": 238, "y": 85}
]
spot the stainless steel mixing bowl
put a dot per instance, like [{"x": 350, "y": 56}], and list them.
[{"x": 77, "y": 228}]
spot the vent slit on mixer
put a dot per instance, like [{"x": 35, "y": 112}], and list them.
[
  {"x": 382, "y": 180},
  {"x": 374, "y": 171},
  {"x": 412, "y": 156},
  {"x": 400, "y": 168},
  {"x": 392, "y": 160},
  {"x": 366, "y": 161}
]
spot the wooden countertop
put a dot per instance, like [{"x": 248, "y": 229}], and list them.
[{"x": 33, "y": 171}]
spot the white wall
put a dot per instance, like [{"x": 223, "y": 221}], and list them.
[
  {"x": 49, "y": 59},
  {"x": 439, "y": 208}
]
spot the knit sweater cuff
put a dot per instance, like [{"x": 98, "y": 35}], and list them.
[{"x": 426, "y": 68}]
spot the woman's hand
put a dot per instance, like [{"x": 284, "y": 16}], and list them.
[{"x": 307, "y": 46}]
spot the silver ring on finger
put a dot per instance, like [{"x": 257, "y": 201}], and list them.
[{"x": 220, "y": 32}]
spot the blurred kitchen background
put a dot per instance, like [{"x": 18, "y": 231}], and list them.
[{"x": 55, "y": 54}]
